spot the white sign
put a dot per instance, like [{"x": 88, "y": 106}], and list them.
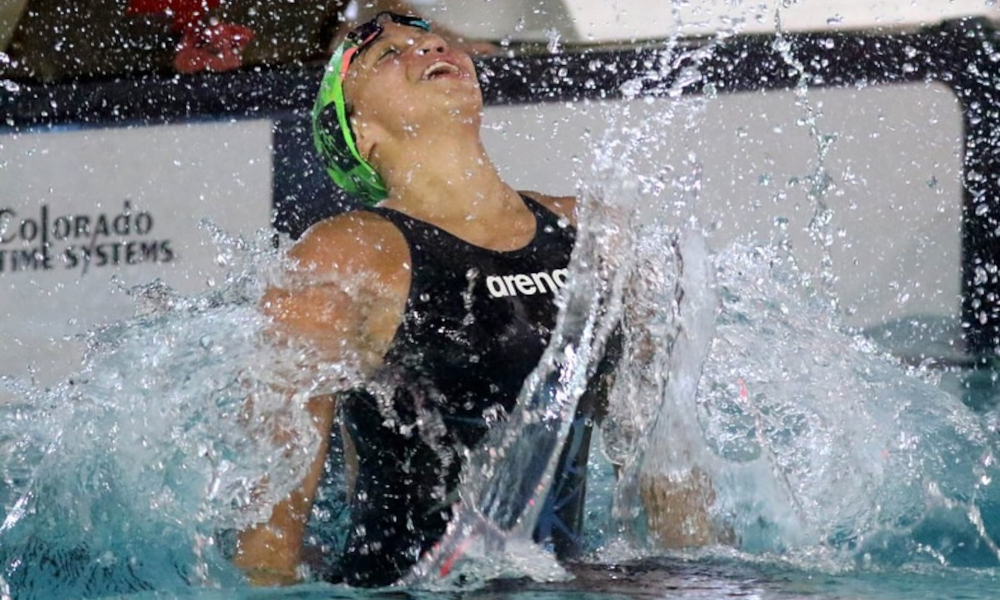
[
  {"x": 81, "y": 206},
  {"x": 626, "y": 19},
  {"x": 893, "y": 169},
  {"x": 591, "y": 21}
]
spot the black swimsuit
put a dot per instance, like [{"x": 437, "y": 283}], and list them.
[{"x": 475, "y": 326}]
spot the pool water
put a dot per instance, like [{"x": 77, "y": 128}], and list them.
[
  {"x": 840, "y": 471},
  {"x": 661, "y": 578}
]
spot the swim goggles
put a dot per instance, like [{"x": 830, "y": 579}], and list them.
[{"x": 331, "y": 124}]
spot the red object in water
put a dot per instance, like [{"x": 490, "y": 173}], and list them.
[{"x": 203, "y": 46}]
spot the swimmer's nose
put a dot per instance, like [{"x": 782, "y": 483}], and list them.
[{"x": 431, "y": 43}]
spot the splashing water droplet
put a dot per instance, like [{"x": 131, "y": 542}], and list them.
[{"x": 553, "y": 40}]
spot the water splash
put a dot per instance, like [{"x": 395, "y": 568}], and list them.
[
  {"x": 7, "y": 85},
  {"x": 506, "y": 480},
  {"x": 814, "y": 442},
  {"x": 123, "y": 477},
  {"x": 802, "y": 438},
  {"x": 820, "y": 183},
  {"x": 850, "y": 445}
]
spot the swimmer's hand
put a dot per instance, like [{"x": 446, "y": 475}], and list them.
[
  {"x": 262, "y": 577},
  {"x": 677, "y": 509},
  {"x": 266, "y": 557}
]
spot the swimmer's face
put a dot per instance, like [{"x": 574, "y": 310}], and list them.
[{"x": 407, "y": 79}]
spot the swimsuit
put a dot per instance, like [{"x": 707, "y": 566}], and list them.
[{"x": 475, "y": 325}]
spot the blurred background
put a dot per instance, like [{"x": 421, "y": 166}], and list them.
[{"x": 57, "y": 40}]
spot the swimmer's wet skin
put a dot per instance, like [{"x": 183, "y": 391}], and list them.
[{"x": 446, "y": 351}]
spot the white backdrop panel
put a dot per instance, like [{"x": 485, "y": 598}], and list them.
[
  {"x": 132, "y": 200},
  {"x": 895, "y": 167}
]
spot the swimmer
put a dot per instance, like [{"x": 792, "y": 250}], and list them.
[{"x": 454, "y": 277}]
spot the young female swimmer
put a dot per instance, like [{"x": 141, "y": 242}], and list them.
[{"x": 457, "y": 275}]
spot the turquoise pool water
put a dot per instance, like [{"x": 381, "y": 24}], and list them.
[
  {"x": 660, "y": 578},
  {"x": 840, "y": 471}
]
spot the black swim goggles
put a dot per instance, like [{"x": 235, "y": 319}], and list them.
[{"x": 365, "y": 34}]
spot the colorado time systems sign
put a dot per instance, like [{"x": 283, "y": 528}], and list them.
[
  {"x": 46, "y": 241},
  {"x": 86, "y": 212}
]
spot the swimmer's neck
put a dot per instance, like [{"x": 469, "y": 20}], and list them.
[{"x": 448, "y": 180}]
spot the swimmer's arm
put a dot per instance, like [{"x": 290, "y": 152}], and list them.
[
  {"x": 316, "y": 317},
  {"x": 270, "y": 553},
  {"x": 343, "y": 299},
  {"x": 677, "y": 506},
  {"x": 677, "y": 503},
  {"x": 312, "y": 312},
  {"x": 345, "y": 302},
  {"x": 677, "y": 509}
]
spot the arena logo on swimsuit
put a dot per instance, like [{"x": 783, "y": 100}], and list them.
[{"x": 502, "y": 286}]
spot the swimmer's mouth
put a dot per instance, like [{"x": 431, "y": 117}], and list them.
[{"x": 441, "y": 69}]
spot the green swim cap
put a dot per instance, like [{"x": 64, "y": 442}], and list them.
[{"x": 332, "y": 133}]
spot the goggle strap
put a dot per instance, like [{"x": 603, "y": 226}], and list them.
[{"x": 349, "y": 53}]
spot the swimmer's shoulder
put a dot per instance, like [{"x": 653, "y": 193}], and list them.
[
  {"x": 353, "y": 242},
  {"x": 563, "y": 206},
  {"x": 346, "y": 288}
]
